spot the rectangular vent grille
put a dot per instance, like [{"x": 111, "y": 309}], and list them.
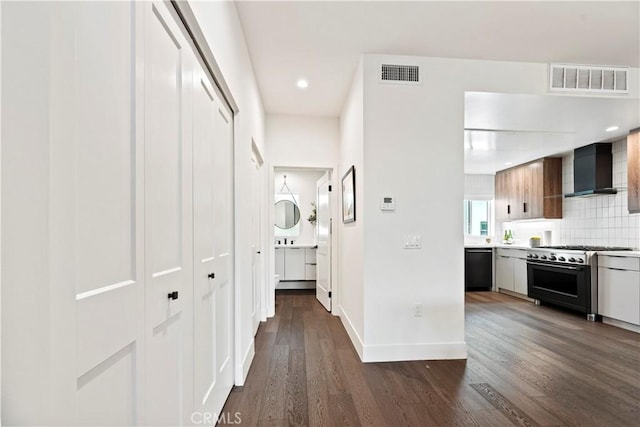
[
  {"x": 400, "y": 73},
  {"x": 588, "y": 78}
]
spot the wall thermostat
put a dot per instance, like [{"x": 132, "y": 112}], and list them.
[{"x": 387, "y": 203}]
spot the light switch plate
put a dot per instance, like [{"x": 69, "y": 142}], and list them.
[{"x": 387, "y": 203}]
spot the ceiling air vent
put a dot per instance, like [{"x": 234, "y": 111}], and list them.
[
  {"x": 588, "y": 79},
  {"x": 406, "y": 74}
]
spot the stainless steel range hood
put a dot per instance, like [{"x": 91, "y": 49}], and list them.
[{"x": 592, "y": 170}]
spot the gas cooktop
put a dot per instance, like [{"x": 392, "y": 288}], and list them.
[{"x": 586, "y": 248}]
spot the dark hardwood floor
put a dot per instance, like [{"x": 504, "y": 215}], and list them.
[{"x": 527, "y": 365}]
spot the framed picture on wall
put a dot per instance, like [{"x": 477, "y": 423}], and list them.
[{"x": 349, "y": 196}]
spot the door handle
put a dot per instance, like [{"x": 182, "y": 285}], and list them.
[
  {"x": 259, "y": 252},
  {"x": 173, "y": 295},
  {"x": 211, "y": 275}
]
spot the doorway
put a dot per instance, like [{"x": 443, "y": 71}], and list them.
[{"x": 302, "y": 206}]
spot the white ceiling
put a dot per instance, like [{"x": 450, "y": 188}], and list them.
[
  {"x": 322, "y": 41},
  {"x": 505, "y": 128}
]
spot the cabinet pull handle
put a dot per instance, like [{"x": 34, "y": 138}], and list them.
[
  {"x": 524, "y": 207},
  {"x": 211, "y": 275},
  {"x": 508, "y": 209},
  {"x": 173, "y": 295}
]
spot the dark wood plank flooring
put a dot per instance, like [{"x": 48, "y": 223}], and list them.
[{"x": 527, "y": 365}]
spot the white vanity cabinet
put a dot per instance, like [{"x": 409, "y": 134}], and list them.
[
  {"x": 619, "y": 288},
  {"x": 511, "y": 270},
  {"x": 280, "y": 262},
  {"x": 310, "y": 263},
  {"x": 295, "y": 263}
]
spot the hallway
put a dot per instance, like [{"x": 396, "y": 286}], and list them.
[{"x": 527, "y": 365}]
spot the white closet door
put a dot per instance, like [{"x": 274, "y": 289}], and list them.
[
  {"x": 168, "y": 219},
  {"x": 94, "y": 218},
  {"x": 213, "y": 304}
]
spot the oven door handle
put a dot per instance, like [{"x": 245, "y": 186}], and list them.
[{"x": 564, "y": 267}]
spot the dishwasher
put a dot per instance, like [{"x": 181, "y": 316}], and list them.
[{"x": 478, "y": 269}]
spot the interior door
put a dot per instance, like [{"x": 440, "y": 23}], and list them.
[
  {"x": 212, "y": 201},
  {"x": 323, "y": 254},
  {"x": 168, "y": 245},
  {"x": 95, "y": 226},
  {"x": 256, "y": 230}
]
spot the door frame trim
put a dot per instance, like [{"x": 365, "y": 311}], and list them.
[{"x": 269, "y": 218}]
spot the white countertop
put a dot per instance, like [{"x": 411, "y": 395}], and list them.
[
  {"x": 635, "y": 254},
  {"x": 298, "y": 245},
  {"x": 496, "y": 245}
]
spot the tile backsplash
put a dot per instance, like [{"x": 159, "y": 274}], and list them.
[{"x": 603, "y": 219}]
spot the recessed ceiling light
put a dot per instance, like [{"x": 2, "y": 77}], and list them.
[
  {"x": 508, "y": 164},
  {"x": 302, "y": 84},
  {"x": 612, "y": 128}
]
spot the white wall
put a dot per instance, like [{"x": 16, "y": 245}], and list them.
[
  {"x": 351, "y": 239},
  {"x": 221, "y": 26},
  {"x": 302, "y": 184},
  {"x": 413, "y": 150},
  {"x": 302, "y": 140},
  {"x": 479, "y": 187}
]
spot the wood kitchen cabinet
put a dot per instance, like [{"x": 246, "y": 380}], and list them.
[
  {"x": 502, "y": 196},
  {"x": 532, "y": 190},
  {"x": 633, "y": 171}
]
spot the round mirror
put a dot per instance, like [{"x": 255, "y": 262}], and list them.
[{"x": 287, "y": 214}]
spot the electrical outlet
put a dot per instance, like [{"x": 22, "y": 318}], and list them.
[{"x": 417, "y": 310}]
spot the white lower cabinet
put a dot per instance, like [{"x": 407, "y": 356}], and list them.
[
  {"x": 504, "y": 272},
  {"x": 520, "y": 276},
  {"x": 310, "y": 263},
  {"x": 295, "y": 264},
  {"x": 280, "y": 262},
  {"x": 511, "y": 270},
  {"x": 619, "y": 288}
]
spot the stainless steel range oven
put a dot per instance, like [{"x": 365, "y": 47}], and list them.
[{"x": 565, "y": 276}]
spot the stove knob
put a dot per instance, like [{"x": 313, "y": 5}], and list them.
[
  {"x": 572, "y": 259},
  {"x": 543, "y": 257},
  {"x": 534, "y": 256},
  {"x": 580, "y": 260},
  {"x": 552, "y": 258},
  {"x": 561, "y": 259},
  {"x": 529, "y": 256}
]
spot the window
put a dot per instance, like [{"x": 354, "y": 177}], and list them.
[{"x": 477, "y": 214}]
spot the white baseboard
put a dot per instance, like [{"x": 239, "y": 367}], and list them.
[
  {"x": 401, "y": 352},
  {"x": 246, "y": 362},
  {"x": 427, "y": 351},
  {"x": 621, "y": 324},
  {"x": 351, "y": 331}
]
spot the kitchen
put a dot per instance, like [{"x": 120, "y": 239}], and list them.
[{"x": 557, "y": 224}]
